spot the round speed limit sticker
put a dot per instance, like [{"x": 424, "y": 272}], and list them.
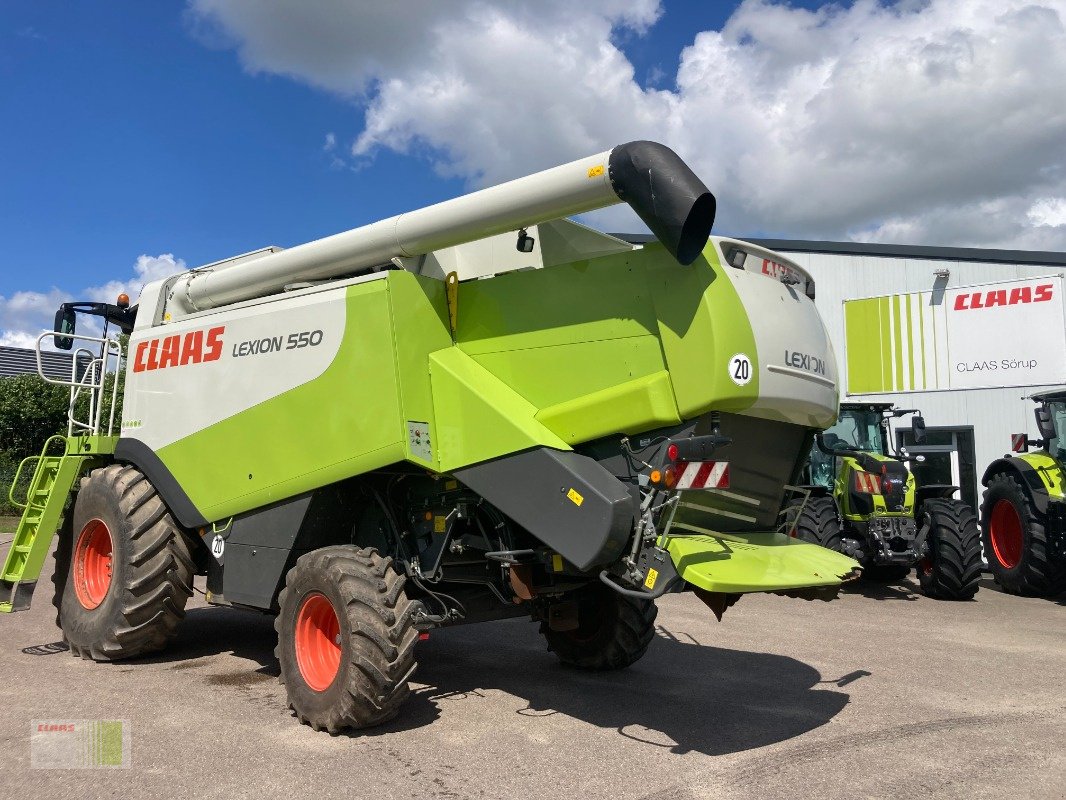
[{"x": 740, "y": 369}]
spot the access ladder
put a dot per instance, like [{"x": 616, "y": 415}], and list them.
[{"x": 53, "y": 480}]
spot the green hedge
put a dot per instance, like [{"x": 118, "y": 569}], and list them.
[{"x": 31, "y": 410}]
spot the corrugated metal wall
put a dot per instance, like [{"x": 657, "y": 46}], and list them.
[
  {"x": 22, "y": 361},
  {"x": 993, "y": 413}
]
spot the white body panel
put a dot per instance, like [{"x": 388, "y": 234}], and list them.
[
  {"x": 257, "y": 359},
  {"x": 798, "y": 372}
]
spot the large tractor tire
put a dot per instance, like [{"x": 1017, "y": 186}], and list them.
[
  {"x": 952, "y": 569},
  {"x": 613, "y": 631},
  {"x": 346, "y": 638},
  {"x": 818, "y": 523},
  {"x": 1015, "y": 540},
  {"x": 123, "y": 568}
]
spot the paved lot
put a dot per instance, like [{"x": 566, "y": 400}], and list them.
[{"x": 882, "y": 693}]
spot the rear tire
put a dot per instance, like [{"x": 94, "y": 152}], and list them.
[
  {"x": 613, "y": 631},
  {"x": 346, "y": 638},
  {"x": 952, "y": 569},
  {"x": 818, "y": 523},
  {"x": 123, "y": 568},
  {"x": 1015, "y": 541}
]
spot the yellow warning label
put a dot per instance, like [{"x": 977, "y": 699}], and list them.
[
  {"x": 574, "y": 497},
  {"x": 653, "y": 575},
  {"x": 557, "y": 562},
  {"x": 451, "y": 486},
  {"x": 440, "y": 524},
  {"x": 596, "y": 171}
]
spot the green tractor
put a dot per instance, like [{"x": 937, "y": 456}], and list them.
[
  {"x": 1023, "y": 512},
  {"x": 861, "y": 500}
]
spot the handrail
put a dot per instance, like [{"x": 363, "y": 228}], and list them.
[
  {"x": 93, "y": 378},
  {"x": 23, "y": 463}
]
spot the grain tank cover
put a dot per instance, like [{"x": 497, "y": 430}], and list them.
[{"x": 650, "y": 177}]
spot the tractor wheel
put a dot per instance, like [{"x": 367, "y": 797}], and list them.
[
  {"x": 885, "y": 573},
  {"x": 123, "y": 568},
  {"x": 952, "y": 569},
  {"x": 1015, "y": 540},
  {"x": 346, "y": 638},
  {"x": 818, "y": 523},
  {"x": 613, "y": 631}
]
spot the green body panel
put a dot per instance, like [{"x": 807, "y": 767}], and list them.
[
  {"x": 701, "y": 321},
  {"x": 419, "y": 313},
  {"x": 649, "y": 399},
  {"x": 53, "y": 480},
  {"x": 756, "y": 562},
  {"x": 479, "y": 416},
  {"x": 304, "y": 438},
  {"x": 1049, "y": 470},
  {"x": 844, "y": 479}
]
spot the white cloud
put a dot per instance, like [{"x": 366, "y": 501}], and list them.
[
  {"x": 26, "y": 315},
  {"x": 1048, "y": 212},
  {"x": 933, "y": 122}
]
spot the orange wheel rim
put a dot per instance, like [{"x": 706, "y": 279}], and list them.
[
  {"x": 318, "y": 649},
  {"x": 92, "y": 564},
  {"x": 1005, "y": 532}
]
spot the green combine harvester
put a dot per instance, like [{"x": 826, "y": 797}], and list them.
[
  {"x": 861, "y": 500},
  {"x": 1023, "y": 512},
  {"x": 467, "y": 412}
]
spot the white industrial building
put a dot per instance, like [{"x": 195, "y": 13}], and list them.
[{"x": 909, "y": 329}]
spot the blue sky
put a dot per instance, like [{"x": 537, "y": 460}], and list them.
[{"x": 147, "y": 128}]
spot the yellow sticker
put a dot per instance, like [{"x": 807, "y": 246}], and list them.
[
  {"x": 596, "y": 171},
  {"x": 557, "y": 562},
  {"x": 653, "y": 575},
  {"x": 451, "y": 486},
  {"x": 440, "y": 524},
  {"x": 574, "y": 497}
]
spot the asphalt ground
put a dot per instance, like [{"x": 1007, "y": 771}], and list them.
[{"x": 880, "y": 693}]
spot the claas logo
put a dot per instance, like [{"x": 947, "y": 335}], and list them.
[
  {"x": 968, "y": 301},
  {"x": 194, "y": 347}
]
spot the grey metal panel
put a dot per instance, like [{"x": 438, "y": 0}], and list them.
[
  {"x": 23, "y": 361},
  {"x": 534, "y": 489},
  {"x": 258, "y": 549}
]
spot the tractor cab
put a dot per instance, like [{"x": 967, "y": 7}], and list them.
[
  {"x": 861, "y": 429},
  {"x": 1050, "y": 422}
]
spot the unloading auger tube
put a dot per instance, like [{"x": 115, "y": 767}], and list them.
[{"x": 650, "y": 177}]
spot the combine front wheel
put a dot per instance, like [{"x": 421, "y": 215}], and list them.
[
  {"x": 123, "y": 568},
  {"x": 346, "y": 639}
]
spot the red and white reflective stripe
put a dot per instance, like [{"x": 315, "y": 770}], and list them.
[
  {"x": 1018, "y": 442},
  {"x": 867, "y": 483},
  {"x": 702, "y": 475}
]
